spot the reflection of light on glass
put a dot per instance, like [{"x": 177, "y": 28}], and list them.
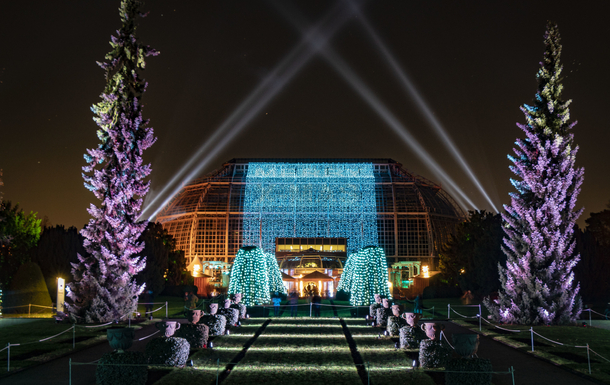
[{"x": 425, "y": 271}]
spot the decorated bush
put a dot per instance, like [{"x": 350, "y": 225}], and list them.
[
  {"x": 394, "y": 325},
  {"x": 468, "y": 365},
  {"x": 120, "y": 369},
  {"x": 232, "y": 315},
  {"x": 373, "y": 309},
  {"x": 382, "y": 316},
  {"x": 433, "y": 354},
  {"x": 215, "y": 322},
  {"x": 196, "y": 335},
  {"x": 410, "y": 337},
  {"x": 173, "y": 351},
  {"x": 241, "y": 308}
]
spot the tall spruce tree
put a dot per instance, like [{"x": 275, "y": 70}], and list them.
[
  {"x": 537, "y": 285},
  {"x": 104, "y": 288}
]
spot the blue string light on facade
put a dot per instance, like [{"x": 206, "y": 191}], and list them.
[{"x": 310, "y": 200}]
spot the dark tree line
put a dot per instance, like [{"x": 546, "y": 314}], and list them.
[{"x": 470, "y": 259}]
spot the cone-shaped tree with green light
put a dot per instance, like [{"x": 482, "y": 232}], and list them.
[
  {"x": 276, "y": 284},
  {"x": 367, "y": 275},
  {"x": 250, "y": 276},
  {"x": 537, "y": 285}
]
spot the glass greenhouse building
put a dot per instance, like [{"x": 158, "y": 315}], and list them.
[{"x": 328, "y": 207}]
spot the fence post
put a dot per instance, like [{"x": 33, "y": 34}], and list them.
[
  {"x": 512, "y": 374},
  {"x": 73, "y": 336},
  {"x": 433, "y": 314},
  {"x": 449, "y": 311},
  {"x": 8, "y": 357},
  {"x": 70, "y": 371},
  {"x": 589, "y": 358},
  {"x": 590, "y": 318},
  {"x": 532, "y": 334},
  {"x": 165, "y": 310},
  {"x": 310, "y": 304}
]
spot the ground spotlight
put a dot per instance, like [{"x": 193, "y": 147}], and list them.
[{"x": 189, "y": 363}]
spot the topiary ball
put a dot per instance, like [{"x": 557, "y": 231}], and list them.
[
  {"x": 373, "y": 309},
  {"x": 196, "y": 335},
  {"x": 173, "y": 351},
  {"x": 410, "y": 337},
  {"x": 433, "y": 354},
  {"x": 215, "y": 322},
  {"x": 394, "y": 324},
  {"x": 468, "y": 365},
  {"x": 118, "y": 368}
]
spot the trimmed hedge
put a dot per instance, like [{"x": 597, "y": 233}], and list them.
[
  {"x": 433, "y": 354},
  {"x": 242, "y": 309},
  {"x": 215, "y": 322},
  {"x": 468, "y": 365},
  {"x": 373, "y": 309},
  {"x": 382, "y": 316},
  {"x": 109, "y": 374},
  {"x": 173, "y": 351},
  {"x": 411, "y": 337},
  {"x": 395, "y": 324},
  {"x": 232, "y": 315},
  {"x": 196, "y": 335}
]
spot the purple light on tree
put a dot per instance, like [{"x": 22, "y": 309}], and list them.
[
  {"x": 538, "y": 281},
  {"x": 104, "y": 288}
]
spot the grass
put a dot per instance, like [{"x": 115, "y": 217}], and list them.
[
  {"x": 385, "y": 364},
  {"x": 31, "y": 352},
  {"x": 567, "y": 355}
]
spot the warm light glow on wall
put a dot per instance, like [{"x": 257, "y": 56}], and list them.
[
  {"x": 425, "y": 271},
  {"x": 310, "y": 200}
]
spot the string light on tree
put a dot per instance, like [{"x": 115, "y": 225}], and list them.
[
  {"x": 250, "y": 276},
  {"x": 367, "y": 275}
]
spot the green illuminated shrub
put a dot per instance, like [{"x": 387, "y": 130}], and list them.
[
  {"x": 410, "y": 337},
  {"x": 433, "y": 354},
  {"x": 394, "y": 325},
  {"x": 215, "y": 322},
  {"x": 196, "y": 335}
]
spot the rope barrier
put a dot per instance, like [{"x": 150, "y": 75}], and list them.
[
  {"x": 153, "y": 311},
  {"x": 597, "y": 354},
  {"x": 143, "y": 338},
  {"x": 463, "y": 316},
  {"x": 498, "y": 327},
  {"x": 95, "y": 326},
  {"x": 593, "y": 311},
  {"x": 48, "y": 338}
]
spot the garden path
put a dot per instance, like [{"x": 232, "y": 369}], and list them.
[{"x": 528, "y": 369}]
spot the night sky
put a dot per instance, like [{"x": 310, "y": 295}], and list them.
[{"x": 473, "y": 64}]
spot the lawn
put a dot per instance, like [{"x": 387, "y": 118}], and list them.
[
  {"x": 566, "y": 355},
  {"x": 28, "y": 332}
]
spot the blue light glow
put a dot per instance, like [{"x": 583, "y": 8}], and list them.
[{"x": 310, "y": 200}]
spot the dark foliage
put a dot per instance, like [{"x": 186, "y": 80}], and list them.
[
  {"x": 172, "y": 351},
  {"x": 468, "y": 365},
  {"x": 472, "y": 255},
  {"x": 394, "y": 325},
  {"x": 19, "y": 232},
  {"x": 342, "y": 295},
  {"x": 164, "y": 263},
  {"x": 56, "y": 249},
  {"x": 231, "y": 315},
  {"x": 442, "y": 287},
  {"x": 120, "y": 369}
]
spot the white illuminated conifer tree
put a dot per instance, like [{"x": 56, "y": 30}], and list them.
[
  {"x": 276, "y": 284},
  {"x": 367, "y": 276},
  {"x": 538, "y": 281},
  {"x": 104, "y": 288},
  {"x": 250, "y": 276}
]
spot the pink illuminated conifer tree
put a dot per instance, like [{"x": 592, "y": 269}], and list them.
[
  {"x": 537, "y": 285},
  {"x": 104, "y": 288}
]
